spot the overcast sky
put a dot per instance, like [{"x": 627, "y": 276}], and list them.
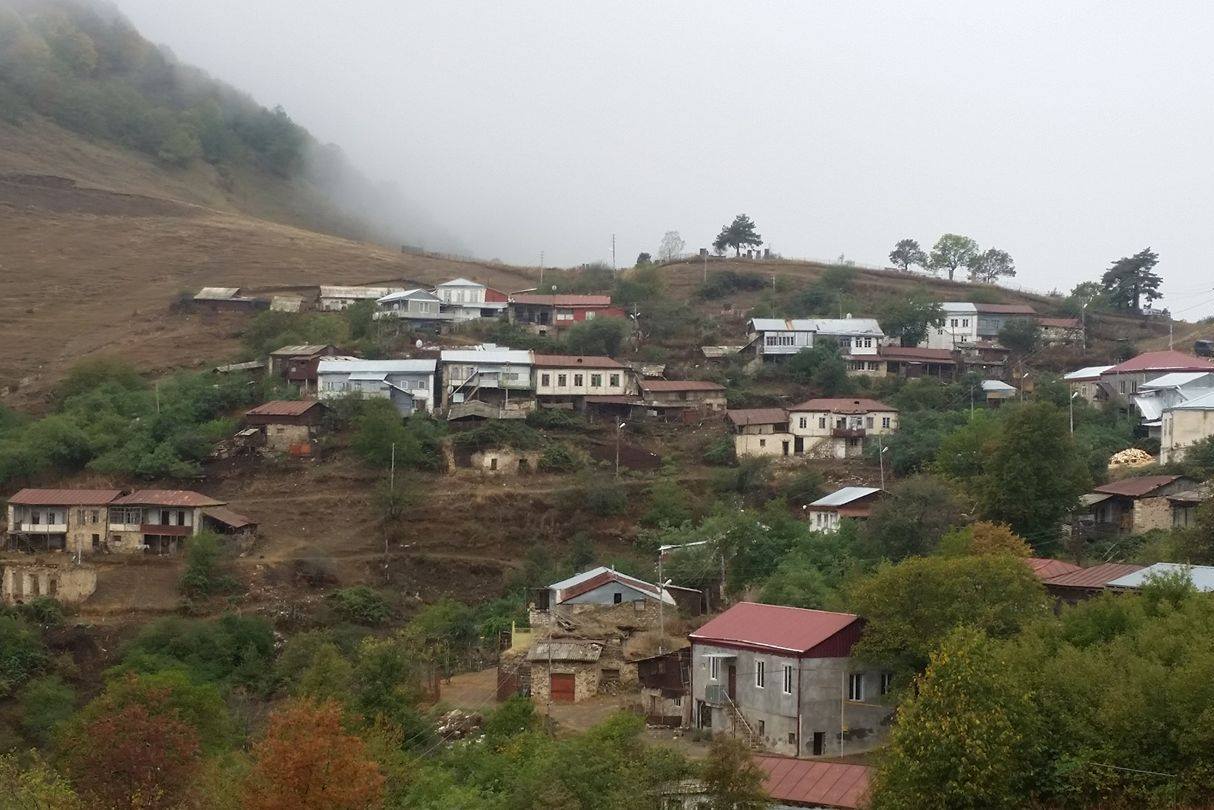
[{"x": 1067, "y": 134}]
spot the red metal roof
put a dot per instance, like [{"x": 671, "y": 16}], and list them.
[
  {"x": 757, "y": 416},
  {"x": 843, "y": 405},
  {"x": 776, "y": 627},
  {"x": 680, "y": 385},
  {"x": 1005, "y": 309},
  {"x": 1167, "y": 360},
  {"x": 1095, "y": 577},
  {"x": 284, "y": 407},
  {"x": 915, "y": 353},
  {"x": 1136, "y": 487},
  {"x": 602, "y": 579},
  {"x": 815, "y": 783},
  {"x": 562, "y": 300},
  {"x": 575, "y": 360},
  {"x": 64, "y": 497},
  {"x": 1045, "y": 568},
  {"x": 229, "y": 518},
  {"x": 1060, "y": 323},
  {"x": 167, "y": 497}
]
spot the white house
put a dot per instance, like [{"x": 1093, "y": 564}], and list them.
[
  {"x": 408, "y": 384},
  {"x": 604, "y": 586},
  {"x": 966, "y": 323},
  {"x": 487, "y": 381},
  {"x": 855, "y": 336},
  {"x": 568, "y": 377},
  {"x": 467, "y": 300},
  {"x": 1183, "y": 425},
  {"x": 334, "y": 298},
  {"x": 778, "y": 337},
  {"x": 417, "y": 306},
  {"x": 1168, "y": 391},
  {"x": 855, "y": 503},
  {"x": 837, "y": 427}
]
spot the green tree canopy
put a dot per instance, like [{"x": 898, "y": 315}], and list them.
[
  {"x": 909, "y": 318},
  {"x": 1132, "y": 280},
  {"x": 989, "y": 266},
  {"x": 917, "y": 513},
  {"x": 952, "y": 252},
  {"x": 738, "y": 234},
  {"x": 907, "y": 253}
]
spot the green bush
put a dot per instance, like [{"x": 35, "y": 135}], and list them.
[
  {"x": 230, "y": 649},
  {"x": 43, "y": 611},
  {"x": 22, "y": 654},
  {"x": 204, "y": 574},
  {"x": 559, "y": 458},
  {"x": 362, "y": 605},
  {"x": 45, "y": 704},
  {"x": 556, "y": 419},
  {"x": 601, "y": 336},
  {"x": 418, "y": 439},
  {"x": 723, "y": 283},
  {"x": 498, "y": 433},
  {"x": 605, "y": 498},
  {"x": 668, "y": 504},
  {"x": 721, "y": 453}
]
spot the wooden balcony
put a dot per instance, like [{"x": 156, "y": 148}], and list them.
[{"x": 848, "y": 433}]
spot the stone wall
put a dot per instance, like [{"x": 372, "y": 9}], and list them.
[
  {"x": 67, "y": 582},
  {"x": 1152, "y": 513},
  {"x": 283, "y": 437}
]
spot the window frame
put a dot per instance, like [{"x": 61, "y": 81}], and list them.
[
  {"x": 788, "y": 679},
  {"x": 855, "y": 687},
  {"x": 760, "y": 673}
]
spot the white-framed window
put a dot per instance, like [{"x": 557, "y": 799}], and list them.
[
  {"x": 577, "y": 380},
  {"x": 953, "y": 323},
  {"x": 788, "y": 679},
  {"x": 760, "y": 673},
  {"x": 887, "y": 681},
  {"x": 855, "y": 686},
  {"x": 596, "y": 380},
  {"x": 615, "y": 380},
  {"x": 560, "y": 380},
  {"x": 545, "y": 379},
  {"x": 885, "y": 421},
  {"x": 868, "y": 422},
  {"x": 804, "y": 422},
  {"x": 821, "y": 422},
  {"x": 965, "y": 321},
  {"x": 714, "y": 669}
]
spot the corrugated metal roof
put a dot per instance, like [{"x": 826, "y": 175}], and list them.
[
  {"x": 1086, "y": 373},
  {"x": 843, "y": 405},
  {"x": 715, "y": 352},
  {"x": 775, "y": 627},
  {"x": 958, "y": 306},
  {"x": 1168, "y": 360},
  {"x": 562, "y": 300},
  {"x": 1205, "y": 402},
  {"x": 575, "y": 360},
  {"x": 362, "y": 293},
  {"x": 64, "y": 497},
  {"x": 1060, "y": 323},
  {"x": 300, "y": 350},
  {"x": 783, "y": 324},
  {"x": 813, "y": 783},
  {"x": 867, "y": 327},
  {"x": 1046, "y": 568},
  {"x": 613, "y": 399},
  {"x": 997, "y": 386},
  {"x": 284, "y": 407},
  {"x": 1004, "y": 309},
  {"x": 229, "y": 518},
  {"x": 353, "y": 365},
  {"x": 597, "y": 578},
  {"x": 1095, "y": 577},
  {"x": 1176, "y": 379},
  {"x": 1202, "y": 576},
  {"x": 844, "y": 496},
  {"x": 167, "y": 497},
  {"x": 915, "y": 353},
  {"x": 680, "y": 385},
  {"x": 565, "y": 650},
  {"x": 757, "y": 416},
  {"x": 286, "y": 303},
  {"x": 217, "y": 293},
  {"x": 461, "y": 282},
  {"x": 1136, "y": 487},
  {"x": 416, "y": 292},
  {"x": 487, "y": 356}
]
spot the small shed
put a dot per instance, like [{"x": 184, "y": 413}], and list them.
[
  {"x": 287, "y": 424},
  {"x": 565, "y": 670},
  {"x": 996, "y": 391},
  {"x": 855, "y": 503},
  {"x": 223, "y": 520}
]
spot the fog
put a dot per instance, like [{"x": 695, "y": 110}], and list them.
[{"x": 1066, "y": 134}]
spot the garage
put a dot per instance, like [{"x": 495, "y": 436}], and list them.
[{"x": 561, "y": 684}]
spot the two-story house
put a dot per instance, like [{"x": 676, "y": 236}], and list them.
[
  {"x": 70, "y": 520},
  {"x": 783, "y": 679},
  {"x": 1184, "y": 425},
  {"x": 297, "y": 364},
  {"x": 408, "y": 383},
  {"x": 569, "y": 378},
  {"x": 848, "y": 503},
  {"x": 773, "y": 338},
  {"x": 156, "y": 521},
  {"x": 488, "y": 382},
  {"x": 1122, "y": 381},
  {"x": 967, "y": 324},
  {"x": 335, "y": 298},
  {"x": 1168, "y": 391},
  {"x": 837, "y": 427},
  {"x": 545, "y": 312},
  {"x": 760, "y": 432},
  {"x": 467, "y": 300},
  {"x": 666, "y": 397},
  {"x": 1085, "y": 382},
  {"x": 417, "y": 307}
]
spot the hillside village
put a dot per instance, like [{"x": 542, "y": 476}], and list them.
[{"x": 293, "y": 515}]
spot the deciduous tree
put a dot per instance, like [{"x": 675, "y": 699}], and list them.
[
  {"x": 909, "y": 318},
  {"x": 917, "y": 513},
  {"x": 907, "y": 253},
  {"x": 1021, "y": 335},
  {"x": 307, "y": 761},
  {"x": 671, "y": 246},
  {"x": 732, "y": 780},
  {"x": 990, "y": 265},
  {"x": 952, "y": 252}
]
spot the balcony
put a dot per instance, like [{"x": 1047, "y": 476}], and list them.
[
  {"x": 847, "y": 433},
  {"x": 39, "y": 528}
]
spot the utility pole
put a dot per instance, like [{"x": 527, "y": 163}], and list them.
[
  {"x": 620, "y": 426},
  {"x": 881, "y": 458},
  {"x": 661, "y": 611},
  {"x": 392, "y": 470},
  {"x": 705, "y": 255},
  {"x": 613, "y": 267},
  {"x": 1083, "y": 324},
  {"x": 541, "y": 284}
]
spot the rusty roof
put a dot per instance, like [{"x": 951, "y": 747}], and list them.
[
  {"x": 284, "y": 407},
  {"x": 575, "y": 360},
  {"x": 562, "y": 300},
  {"x": 64, "y": 497},
  {"x": 843, "y": 405},
  {"x": 167, "y": 497},
  {"x": 302, "y": 350},
  {"x": 810, "y": 782},
  {"x": 775, "y": 627},
  {"x": 680, "y": 385},
  {"x": 1167, "y": 360},
  {"x": 757, "y": 416},
  {"x": 227, "y": 517},
  {"x": 1061, "y": 323},
  {"x": 915, "y": 353},
  {"x": 1095, "y": 577},
  {"x": 1005, "y": 309},
  {"x": 1046, "y": 568},
  {"x": 1136, "y": 487}
]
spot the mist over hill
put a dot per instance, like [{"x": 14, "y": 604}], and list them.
[{"x": 83, "y": 66}]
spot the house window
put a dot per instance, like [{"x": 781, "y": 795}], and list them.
[
  {"x": 855, "y": 686},
  {"x": 762, "y": 729},
  {"x": 804, "y": 423},
  {"x": 714, "y": 669},
  {"x": 616, "y": 598},
  {"x": 954, "y": 323},
  {"x": 868, "y": 422},
  {"x": 560, "y": 380},
  {"x": 965, "y": 321},
  {"x": 885, "y": 421},
  {"x": 760, "y": 673},
  {"x": 596, "y": 380},
  {"x": 545, "y": 380},
  {"x": 788, "y": 679},
  {"x": 93, "y": 516},
  {"x": 887, "y": 680},
  {"x": 762, "y": 442},
  {"x": 822, "y": 423},
  {"x": 615, "y": 380},
  {"x": 577, "y": 380}
]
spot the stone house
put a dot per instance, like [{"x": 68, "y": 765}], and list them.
[
  {"x": 565, "y": 378},
  {"x": 837, "y": 427},
  {"x": 70, "y": 520},
  {"x": 65, "y": 580},
  {"x": 1086, "y": 383},
  {"x": 543, "y": 313},
  {"x": 665, "y": 681},
  {"x": 569, "y": 670},
  {"x": 156, "y": 521},
  {"x": 852, "y": 503},
  {"x": 1185, "y": 505},
  {"x": 904, "y": 361},
  {"x": 487, "y": 381},
  {"x": 1133, "y": 505},
  {"x": 1183, "y": 426},
  {"x": 407, "y": 383},
  {"x": 288, "y": 425},
  {"x": 760, "y": 432},
  {"x": 1061, "y": 331},
  {"x": 783, "y": 679},
  {"x": 662, "y": 395},
  {"x": 297, "y": 365}
]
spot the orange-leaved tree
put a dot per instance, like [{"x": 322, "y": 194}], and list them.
[{"x": 307, "y": 761}]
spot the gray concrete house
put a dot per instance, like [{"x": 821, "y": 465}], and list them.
[{"x": 784, "y": 680}]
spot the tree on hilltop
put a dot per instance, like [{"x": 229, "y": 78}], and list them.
[
  {"x": 952, "y": 252},
  {"x": 671, "y": 246},
  {"x": 1132, "y": 279},
  {"x": 906, "y": 253},
  {"x": 987, "y": 267},
  {"x": 738, "y": 234}
]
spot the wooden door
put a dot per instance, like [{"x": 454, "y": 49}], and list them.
[
  {"x": 561, "y": 685},
  {"x": 732, "y": 687}
]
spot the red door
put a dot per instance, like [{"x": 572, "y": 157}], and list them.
[{"x": 561, "y": 685}]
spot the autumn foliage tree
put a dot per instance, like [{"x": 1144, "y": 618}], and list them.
[{"x": 307, "y": 761}]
